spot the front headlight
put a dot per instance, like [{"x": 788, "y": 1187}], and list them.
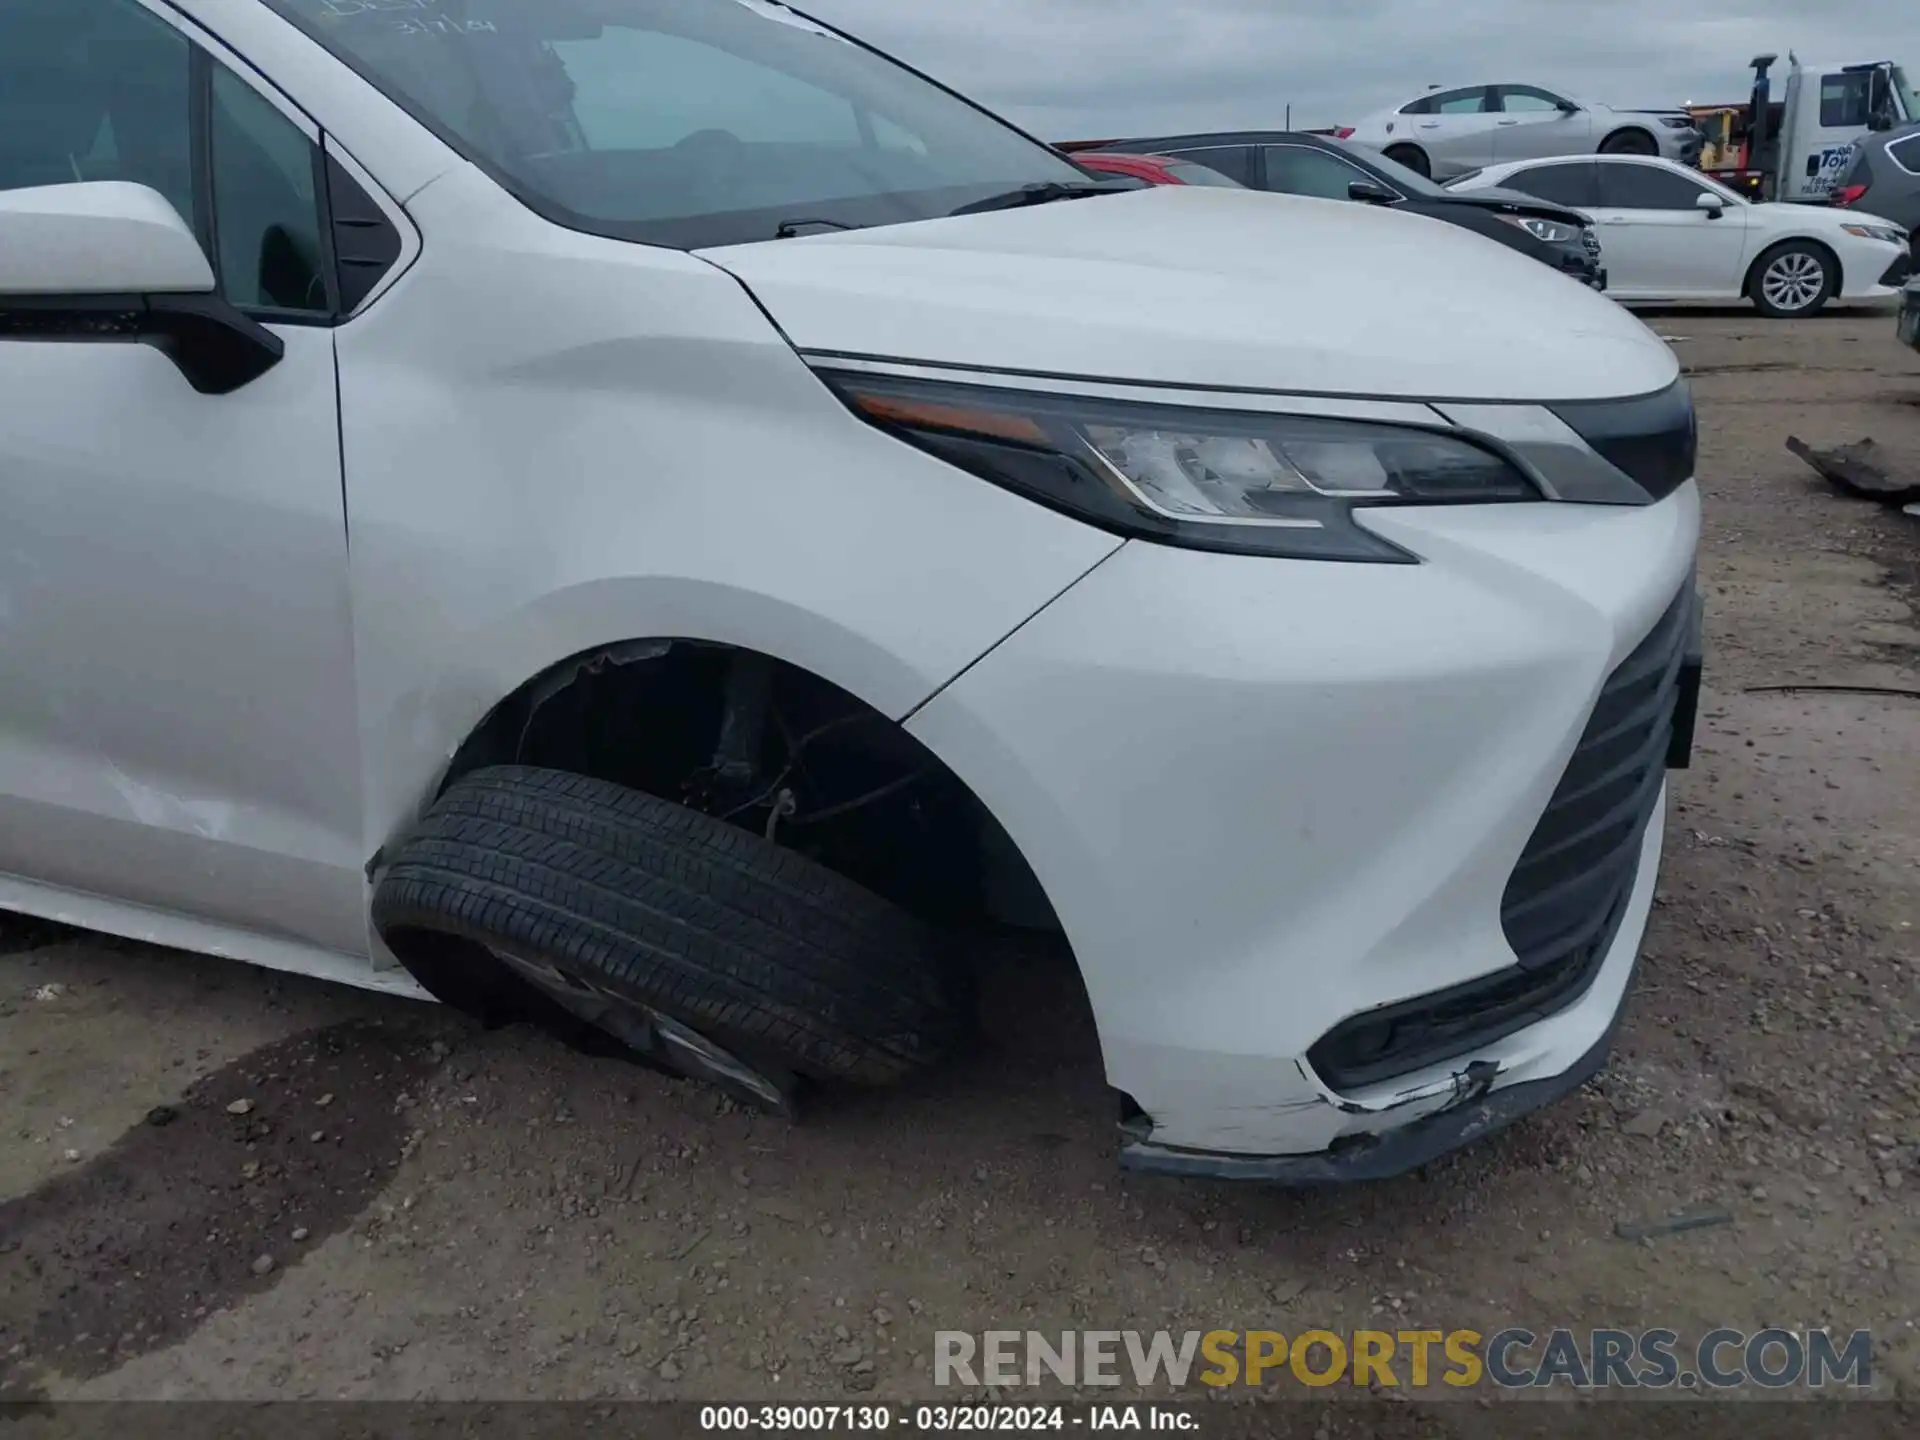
[
  {"x": 1244, "y": 483},
  {"x": 1876, "y": 232},
  {"x": 1551, "y": 231}
]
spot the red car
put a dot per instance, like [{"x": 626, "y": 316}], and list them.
[{"x": 1154, "y": 169}]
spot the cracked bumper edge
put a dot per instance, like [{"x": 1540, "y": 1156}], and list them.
[{"x": 1388, "y": 1155}]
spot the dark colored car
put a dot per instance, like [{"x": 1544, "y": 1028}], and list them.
[
  {"x": 1884, "y": 178},
  {"x": 1296, "y": 163},
  {"x": 1153, "y": 169}
]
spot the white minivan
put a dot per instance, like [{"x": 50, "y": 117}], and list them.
[{"x": 651, "y": 516}]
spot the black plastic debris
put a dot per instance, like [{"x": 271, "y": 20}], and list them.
[{"x": 1863, "y": 469}]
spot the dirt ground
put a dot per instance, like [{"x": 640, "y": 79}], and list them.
[{"x": 218, "y": 1182}]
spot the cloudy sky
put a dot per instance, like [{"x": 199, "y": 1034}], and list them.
[{"x": 1083, "y": 68}]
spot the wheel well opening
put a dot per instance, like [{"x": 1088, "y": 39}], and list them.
[
  {"x": 779, "y": 751},
  {"x": 1640, "y": 132},
  {"x": 1826, "y": 252}
]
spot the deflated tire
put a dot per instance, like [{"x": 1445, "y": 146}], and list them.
[{"x": 682, "y": 930}]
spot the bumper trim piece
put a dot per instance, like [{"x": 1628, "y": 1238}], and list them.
[{"x": 1391, "y": 1154}]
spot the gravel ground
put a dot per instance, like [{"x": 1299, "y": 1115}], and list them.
[{"x": 222, "y": 1183}]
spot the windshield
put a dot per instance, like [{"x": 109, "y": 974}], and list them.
[
  {"x": 684, "y": 123},
  {"x": 1909, "y": 102}
]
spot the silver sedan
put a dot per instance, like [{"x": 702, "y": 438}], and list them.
[{"x": 1475, "y": 125}]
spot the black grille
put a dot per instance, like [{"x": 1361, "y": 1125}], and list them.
[
  {"x": 1568, "y": 894},
  {"x": 1898, "y": 272}
]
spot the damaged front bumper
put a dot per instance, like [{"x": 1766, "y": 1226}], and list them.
[
  {"x": 1474, "y": 1112},
  {"x": 1399, "y": 1125}
]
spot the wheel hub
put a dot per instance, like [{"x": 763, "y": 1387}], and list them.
[
  {"x": 658, "y": 1037},
  {"x": 1793, "y": 282}
]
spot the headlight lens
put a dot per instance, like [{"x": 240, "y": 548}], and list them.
[
  {"x": 1551, "y": 231},
  {"x": 1875, "y": 232},
  {"x": 1253, "y": 484}
]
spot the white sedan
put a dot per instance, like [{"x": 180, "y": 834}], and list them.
[{"x": 1670, "y": 233}]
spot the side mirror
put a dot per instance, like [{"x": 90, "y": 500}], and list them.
[
  {"x": 109, "y": 261},
  {"x": 1880, "y": 121},
  {"x": 1369, "y": 193},
  {"x": 1566, "y": 107},
  {"x": 1711, "y": 203}
]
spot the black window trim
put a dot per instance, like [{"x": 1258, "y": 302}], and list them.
[{"x": 1911, "y": 143}]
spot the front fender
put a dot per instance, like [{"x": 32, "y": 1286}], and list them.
[{"x": 626, "y": 450}]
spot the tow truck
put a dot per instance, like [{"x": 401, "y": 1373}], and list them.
[{"x": 1796, "y": 148}]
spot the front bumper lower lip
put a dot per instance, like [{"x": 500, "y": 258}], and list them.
[{"x": 1393, "y": 1153}]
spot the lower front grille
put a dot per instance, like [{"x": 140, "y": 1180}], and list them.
[
  {"x": 1567, "y": 895},
  {"x": 1898, "y": 272}
]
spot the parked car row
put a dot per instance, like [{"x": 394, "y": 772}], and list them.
[
  {"x": 1296, "y": 163},
  {"x": 1644, "y": 228}
]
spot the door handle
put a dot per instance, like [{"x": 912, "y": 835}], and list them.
[
  {"x": 1509, "y": 122},
  {"x": 1429, "y": 124}
]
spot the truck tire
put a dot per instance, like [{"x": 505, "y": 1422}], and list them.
[
  {"x": 1411, "y": 156},
  {"x": 1792, "y": 280},
  {"x": 672, "y": 916},
  {"x": 1629, "y": 142}
]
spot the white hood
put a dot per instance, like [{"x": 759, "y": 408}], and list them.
[{"x": 1209, "y": 287}]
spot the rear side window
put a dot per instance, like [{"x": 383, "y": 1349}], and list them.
[
  {"x": 1845, "y": 97},
  {"x": 1299, "y": 170},
  {"x": 1233, "y": 161},
  {"x": 1575, "y": 185},
  {"x": 1188, "y": 173},
  {"x": 266, "y": 204},
  {"x": 1906, "y": 152},
  {"x": 1472, "y": 101},
  {"x": 1647, "y": 187}
]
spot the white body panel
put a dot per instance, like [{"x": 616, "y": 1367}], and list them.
[
  {"x": 103, "y": 237},
  {"x": 1296, "y": 823},
  {"x": 178, "y": 638},
  {"x": 1229, "y": 288},
  {"x": 634, "y": 451}
]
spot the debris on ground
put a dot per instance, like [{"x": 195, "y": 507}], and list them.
[
  {"x": 1672, "y": 1225},
  {"x": 1864, "y": 469}
]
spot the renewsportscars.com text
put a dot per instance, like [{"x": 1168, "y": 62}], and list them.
[{"x": 1511, "y": 1359}]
